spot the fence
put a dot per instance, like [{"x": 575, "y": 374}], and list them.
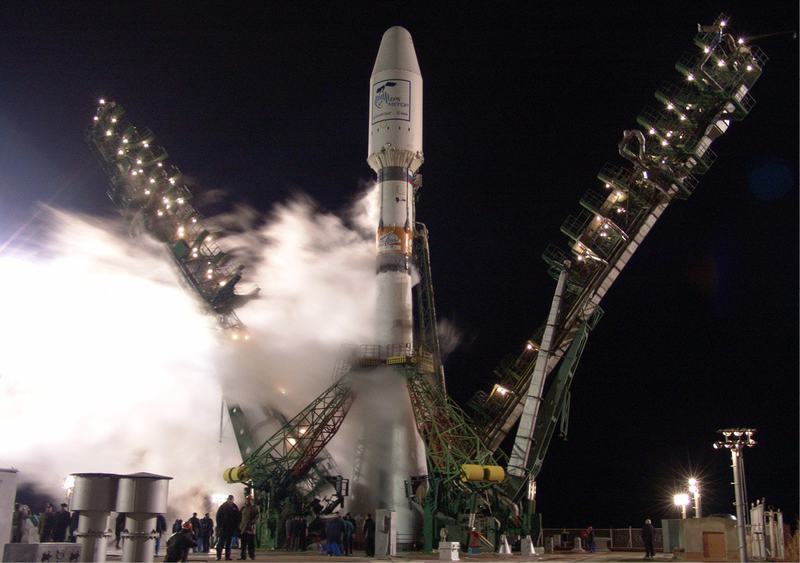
[{"x": 619, "y": 539}]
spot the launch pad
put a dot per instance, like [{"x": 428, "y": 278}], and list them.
[{"x": 419, "y": 454}]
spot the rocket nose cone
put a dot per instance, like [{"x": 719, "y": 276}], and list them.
[{"x": 396, "y": 52}]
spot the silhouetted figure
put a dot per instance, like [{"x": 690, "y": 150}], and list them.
[
  {"x": 161, "y": 527},
  {"x": 119, "y": 527},
  {"x": 369, "y": 536},
  {"x": 349, "y": 531},
  {"x": 61, "y": 523},
  {"x": 47, "y": 523},
  {"x": 228, "y": 517},
  {"x": 333, "y": 535},
  {"x": 178, "y": 544},
  {"x": 648, "y": 535},
  {"x": 247, "y": 529},
  {"x": 206, "y": 529}
]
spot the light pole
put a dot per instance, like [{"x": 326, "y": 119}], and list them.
[
  {"x": 694, "y": 488},
  {"x": 681, "y": 500},
  {"x": 734, "y": 439}
]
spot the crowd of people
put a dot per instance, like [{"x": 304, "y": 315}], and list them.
[{"x": 46, "y": 526}]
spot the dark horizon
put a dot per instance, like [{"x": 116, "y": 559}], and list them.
[{"x": 522, "y": 108}]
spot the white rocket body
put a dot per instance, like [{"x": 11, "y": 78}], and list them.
[
  {"x": 390, "y": 450},
  {"x": 395, "y": 154}
]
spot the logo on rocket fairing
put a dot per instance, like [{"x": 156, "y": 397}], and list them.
[{"x": 391, "y": 100}]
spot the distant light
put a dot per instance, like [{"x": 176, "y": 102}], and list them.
[
  {"x": 749, "y": 68},
  {"x": 160, "y": 213},
  {"x": 138, "y": 161},
  {"x": 291, "y": 441},
  {"x": 720, "y": 63},
  {"x": 303, "y": 431},
  {"x": 125, "y": 140},
  {"x": 235, "y": 336},
  {"x": 689, "y": 77},
  {"x": 222, "y": 283},
  {"x": 145, "y": 145},
  {"x": 172, "y": 181},
  {"x": 160, "y": 165},
  {"x": 180, "y": 201},
  {"x": 692, "y": 481},
  {"x": 644, "y": 173},
  {"x": 282, "y": 391},
  {"x": 693, "y": 489},
  {"x": 608, "y": 185},
  {"x": 152, "y": 180},
  {"x": 113, "y": 120},
  {"x": 96, "y": 118},
  {"x": 120, "y": 152},
  {"x": 102, "y": 101},
  {"x": 134, "y": 172},
  {"x": 723, "y": 23},
  {"x": 664, "y": 143},
  {"x": 500, "y": 390},
  {"x": 108, "y": 133},
  {"x": 706, "y": 50},
  {"x": 194, "y": 219},
  {"x": 669, "y": 134},
  {"x": 683, "y": 118},
  {"x": 652, "y": 132},
  {"x": 681, "y": 499},
  {"x": 669, "y": 105},
  {"x": 247, "y": 337},
  {"x": 741, "y": 41},
  {"x": 147, "y": 192}
]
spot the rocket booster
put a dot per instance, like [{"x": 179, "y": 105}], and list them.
[{"x": 395, "y": 154}]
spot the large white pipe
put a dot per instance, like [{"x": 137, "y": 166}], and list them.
[
  {"x": 94, "y": 496},
  {"x": 141, "y": 497},
  {"x": 8, "y": 492}
]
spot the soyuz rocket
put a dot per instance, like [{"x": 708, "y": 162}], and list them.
[{"x": 395, "y": 154}]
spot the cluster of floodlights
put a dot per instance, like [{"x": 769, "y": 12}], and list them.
[{"x": 735, "y": 438}]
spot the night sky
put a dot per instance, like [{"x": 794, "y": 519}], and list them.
[{"x": 523, "y": 105}]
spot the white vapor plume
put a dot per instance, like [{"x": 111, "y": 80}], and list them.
[{"x": 110, "y": 365}]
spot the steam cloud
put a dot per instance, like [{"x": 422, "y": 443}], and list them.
[{"x": 110, "y": 365}]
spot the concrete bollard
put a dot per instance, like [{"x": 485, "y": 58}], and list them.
[
  {"x": 578, "y": 545},
  {"x": 505, "y": 549},
  {"x": 526, "y": 546},
  {"x": 448, "y": 551}
]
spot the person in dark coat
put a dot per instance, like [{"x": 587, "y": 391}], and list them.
[
  {"x": 195, "y": 522},
  {"x": 46, "y": 524},
  {"x": 648, "y": 535},
  {"x": 61, "y": 524},
  {"x": 228, "y": 517},
  {"x": 302, "y": 532},
  {"x": 369, "y": 536},
  {"x": 333, "y": 535},
  {"x": 177, "y": 525},
  {"x": 161, "y": 527},
  {"x": 119, "y": 527},
  {"x": 206, "y": 528},
  {"x": 349, "y": 531},
  {"x": 178, "y": 544},
  {"x": 590, "y": 540}
]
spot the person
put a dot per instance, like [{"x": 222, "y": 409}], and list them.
[
  {"x": 369, "y": 536},
  {"x": 648, "y": 535},
  {"x": 28, "y": 530},
  {"x": 15, "y": 520},
  {"x": 46, "y": 524},
  {"x": 349, "y": 530},
  {"x": 119, "y": 527},
  {"x": 195, "y": 522},
  {"x": 227, "y": 524},
  {"x": 179, "y": 543},
  {"x": 61, "y": 523},
  {"x": 247, "y": 529},
  {"x": 301, "y": 532},
  {"x": 161, "y": 527},
  {"x": 177, "y": 525},
  {"x": 590, "y": 540},
  {"x": 333, "y": 535},
  {"x": 204, "y": 537},
  {"x": 288, "y": 528}
]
